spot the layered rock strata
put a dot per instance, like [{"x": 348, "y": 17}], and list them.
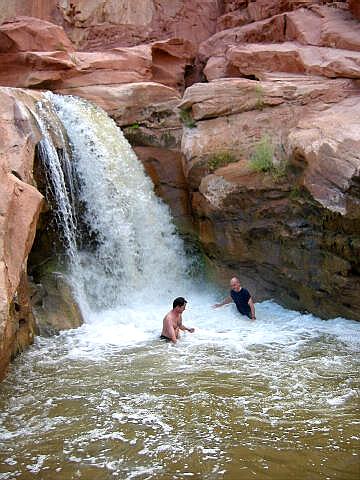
[{"x": 292, "y": 230}]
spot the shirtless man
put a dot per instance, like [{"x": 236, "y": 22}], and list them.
[{"x": 172, "y": 322}]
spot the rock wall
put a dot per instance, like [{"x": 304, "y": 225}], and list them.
[
  {"x": 22, "y": 300},
  {"x": 97, "y": 25},
  {"x": 20, "y": 205},
  {"x": 283, "y": 89},
  {"x": 203, "y": 91}
]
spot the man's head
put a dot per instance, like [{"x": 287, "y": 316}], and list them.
[
  {"x": 235, "y": 284},
  {"x": 179, "y": 302}
]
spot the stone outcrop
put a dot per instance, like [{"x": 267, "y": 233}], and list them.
[
  {"x": 17, "y": 231},
  {"x": 95, "y": 25},
  {"x": 20, "y": 35},
  {"x": 291, "y": 231},
  {"x": 51, "y": 62},
  {"x": 308, "y": 40},
  {"x": 53, "y": 305},
  {"x": 20, "y": 207}
]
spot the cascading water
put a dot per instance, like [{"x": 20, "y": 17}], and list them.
[
  {"x": 272, "y": 399},
  {"x": 59, "y": 176},
  {"x": 137, "y": 253}
]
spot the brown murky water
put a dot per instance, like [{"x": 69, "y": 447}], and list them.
[{"x": 275, "y": 399}]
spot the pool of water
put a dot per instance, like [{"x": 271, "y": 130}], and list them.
[{"x": 277, "y": 398}]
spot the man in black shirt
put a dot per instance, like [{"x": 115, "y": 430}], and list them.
[{"x": 241, "y": 297}]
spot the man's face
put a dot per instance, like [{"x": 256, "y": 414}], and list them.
[
  {"x": 235, "y": 285},
  {"x": 181, "y": 308}
]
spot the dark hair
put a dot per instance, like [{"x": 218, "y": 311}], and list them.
[{"x": 179, "y": 302}]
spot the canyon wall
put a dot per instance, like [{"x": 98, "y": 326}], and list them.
[
  {"x": 20, "y": 204},
  {"x": 244, "y": 113}
]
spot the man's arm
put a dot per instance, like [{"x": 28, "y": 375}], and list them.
[
  {"x": 252, "y": 308},
  {"x": 184, "y": 329},
  {"x": 224, "y": 302}
]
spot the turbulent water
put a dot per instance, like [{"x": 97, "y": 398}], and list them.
[
  {"x": 271, "y": 399},
  {"x": 277, "y": 398}
]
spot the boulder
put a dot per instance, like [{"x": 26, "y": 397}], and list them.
[
  {"x": 328, "y": 143},
  {"x": 29, "y": 34},
  {"x": 133, "y": 104},
  {"x": 254, "y": 59},
  {"x": 54, "y": 306}
]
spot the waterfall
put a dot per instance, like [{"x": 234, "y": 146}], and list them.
[
  {"x": 59, "y": 175},
  {"x": 130, "y": 251}
]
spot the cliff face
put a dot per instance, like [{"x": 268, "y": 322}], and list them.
[
  {"x": 20, "y": 205},
  {"x": 245, "y": 114}
]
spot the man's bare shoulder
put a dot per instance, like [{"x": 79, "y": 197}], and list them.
[{"x": 169, "y": 316}]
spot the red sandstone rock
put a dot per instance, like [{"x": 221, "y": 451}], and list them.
[
  {"x": 241, "y": 111},
  {"x": 27, "y": 34},
  {"x": 105, "y": 24},
  {"x": 33, "y": 69},
  {"x": 232, "y": 20},
  {"x": 55, "y": 70},
  {"x": 323, "y": 26},
  {"x": 169, "y": 60},
  {"x": 287, "y": 57},
  {"x": 100, "y": 24},
  {"x": 318, "y": 26},
  {"x": 20, "y": 205},
  {"x": 164, "y": 62},
  {"x": 354, "y": 7},
  {"x": 122, "y": 65},
  {"x": 329, "y": 143},
  {"x": 229, "y": 96},
  {"x": 165, "y": 169},
  {"x": 339, "y": 29},
  {"x": 130, "y": 103},
  {"x": 270, "y": 30},
  {"x": 261, "y": 9}
]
